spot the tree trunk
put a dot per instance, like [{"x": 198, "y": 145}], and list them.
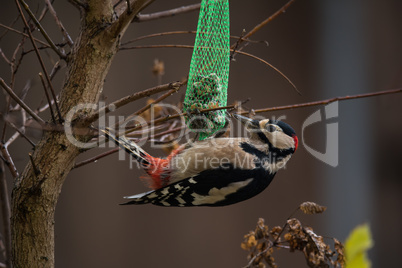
[{"x": 37, "y": 190}]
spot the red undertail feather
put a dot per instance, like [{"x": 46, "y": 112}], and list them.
[{"x": 158, "y": 170}]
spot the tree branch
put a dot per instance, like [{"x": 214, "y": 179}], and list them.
[
  {"x": 20, "y": 131},
  {"x": 58, "y": 22},
  {"x": 164, "y": 96},
  {"x": 42, "y": 30},
  {"x": 301, "y": 105},
  {"x": 265, "y": 22},
  {"x": 23, "y": 34},
  {"x": 182, "y": 32},
  {"x": 240, "y": 52},
  {"x": 166, "y": 13},
  {"x": 5, "y": 57},
  {"x": 39, "y": 56},
  {"x": 325, "y": 102},
  {"x": 136, "y": 96},
  {"x": 287, "y": 107},
  {"x": 9, "y": 161},
  {"x": 128, "y": 15},
  {"x": 273, "y": 67},
  {"x": 20, "y": 102},
  {"x": 47, "y": 97},
  {"x": 95, "y": 158}
]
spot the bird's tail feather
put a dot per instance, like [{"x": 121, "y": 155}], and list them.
[
  {"x": 158, "y": 169},
  {"x": 138, "y": 199}
]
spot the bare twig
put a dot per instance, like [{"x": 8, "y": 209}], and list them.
[
  {"x": 273, "y": 67},
  {"x": 307, "y": 104},
  {"x": 47, "y": 97},
  {"x": 236, "y": 45},
  {"x": 25, "y": 52},
  {"x": 43, "y": 13},
  {"x": 155, "y": 35},
  {"x": 82, "y": 131},
  {"x": 42, "y": 107},
  {"x": 125, "y": 16},
  {"x": 20, "y": 133},
  {"x": 150, "y": 129},
  {"x": 11, "y": 25},
  {"x": 5, "y": 57},
  {"x": 136, "y": 96},
  {"x": 16, "y": 64},
  {"x": 166, "y": 13},
  {"x": 40, "y": 59},
  {"x": 169, "y": 131},
  {"x": 24, "y": 93},
  {"x": 55, "y": 69},
  {"x": 42, "y": 30},
  {"x": 287, "y": 107},
  {"x": 95, "y": 158},
  {"x": 4, "y": 131},
  {"x": 58, "y": 22},
  {"x": 23, "y": 34},
  {"x": 164, "y": 96},
  {"x": 9, "y": 161},
  {"x": 262, "y": 24},
  {"x": 20, "y": 102},
  {"x": 181, "y": 32},
  {"x": 5, "y": 207},
  {"x": 239, "y": 52},
  {"x": 10, "y": 140},
  {"x": 155, "y": 121},
  {"x": 324, "y": 102}
]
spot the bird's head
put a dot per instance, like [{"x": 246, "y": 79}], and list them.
[{"x": 275, "y": 133}]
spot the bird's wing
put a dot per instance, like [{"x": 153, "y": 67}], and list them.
[{"x": 218, "y": 187}]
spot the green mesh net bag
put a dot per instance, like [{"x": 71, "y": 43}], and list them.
[{"x": 209, "y": 69}]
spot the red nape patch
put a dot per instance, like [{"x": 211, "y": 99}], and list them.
[
  {"x": 296, "y": 141},
  {"x": 159, "y": 170}
]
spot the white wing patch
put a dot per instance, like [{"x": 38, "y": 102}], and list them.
[
  {"x": 165, "y": 191},
  {"x": 215, "y": 195},
  {"x": 178, "y": 187},
  {"x": 192, "y": 181}
]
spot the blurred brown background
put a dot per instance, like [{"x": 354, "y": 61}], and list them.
[{"x": 327, "y": 48}]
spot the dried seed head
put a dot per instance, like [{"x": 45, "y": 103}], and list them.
[{"x": 311, "y": 208}]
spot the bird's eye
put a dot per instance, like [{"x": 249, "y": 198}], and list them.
[{"x": 271, "y": 128}]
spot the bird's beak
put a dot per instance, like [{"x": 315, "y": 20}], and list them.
[{"x": 248, "y": 122}]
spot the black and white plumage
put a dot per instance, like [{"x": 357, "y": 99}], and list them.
[{"x": 215, "y": 171}]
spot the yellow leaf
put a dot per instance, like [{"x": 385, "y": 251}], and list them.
[{"x": 356, "y": 247}]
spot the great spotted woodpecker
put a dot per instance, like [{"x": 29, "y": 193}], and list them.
[{"x": 215, "y": 171}]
